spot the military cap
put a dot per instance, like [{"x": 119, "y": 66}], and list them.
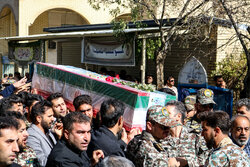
[
  {"x": 160, "y": 115},
  {"x": 189, "y": 102},
  {"x": 205, "y": 96}
]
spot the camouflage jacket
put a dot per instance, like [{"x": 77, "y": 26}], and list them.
[
  {"x": 228, "y": 154},
  {"x": 193, "y": 125},
  {"x": 145, "y": 151},
  {"x": 190, "y": 146},
  {"x": 27, "y": 158}
]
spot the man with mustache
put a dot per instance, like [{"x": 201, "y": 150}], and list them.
[
  {"x": 8, "y": 142},
  {"x": 215, "y": 129},
  {"x": 40, "y": 137},
  {"x": 240, "y": 132},
  {"x": 26, "y": 157}
]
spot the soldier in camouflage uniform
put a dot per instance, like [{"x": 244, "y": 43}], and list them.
[
  {"x": 146, "y": 149},
  {"x": 190, "y": 147},
  {"x": 216, "y": 127},
  {"x": 204, "y": 102},
  {"x": 26, "y": 157}
]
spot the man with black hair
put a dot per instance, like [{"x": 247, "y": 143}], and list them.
[
  {"x": 8, "y": 142},
  {"x": 83, "y": 104},
  {"x": 70, "y": 151},
  {"x": 215, "y": 129},
  {"x": 219, "y": 81},
  {"x": 58, "y": 105},
  {"x": 40, "y": 137},
  {"x": 189, "y": 146},
  {"x": 26, "y": 155},
  {"x": 105, "y": 138},
  {"x": 12, "y": 103}
]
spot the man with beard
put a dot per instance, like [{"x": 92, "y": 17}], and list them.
[
  {"x": 8, "y": 142},
  {"x": 215, "y": 129},
  {"x": 40, "y": 137},
  {"x": 189, "y": 148},
  {"x": 204, "y": 103},
  {"x": 70, "y": 151},
  {"x": 58, "y": 105},
  {"x": 26, "y": 157},
  {"x": 240, "y": 132}
]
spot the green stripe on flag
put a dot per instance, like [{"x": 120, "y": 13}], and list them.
[{"x": 127, "y": 97}]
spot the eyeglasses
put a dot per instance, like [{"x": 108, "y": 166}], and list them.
[
  {"x": 83, "y": 111},
  {"x": 171, "y": 80}
]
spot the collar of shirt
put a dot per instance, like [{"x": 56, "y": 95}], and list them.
[{"x": 224, "y": 142}]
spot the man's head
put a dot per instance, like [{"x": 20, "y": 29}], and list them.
[
  {"x": 42, "y": 114},
  {"x": 189, "y": 102},
  {"x": 204, "y": 100},
  {"x": 32, "y": 99},
  {"x": 240, "y": 129},
  {"x": 111, "y": 113},
  {"x": 150, "y": 79},
  {"x": 83, "y": 104},
  {"x": 58, "y": 104},
  {"x": 22, "y": 132},
  {"x": 12, "y": 103},
  {"x": 176, "y": 110},
  {"x": 8, "y": 140},
  {"x": 215, "y": 126},
  {"x": 115, "y": 161},
  {"x": 77, "y": 130},
  {"x": 218, "y": 79},
  {"x": 158, "y": 122},
  {"x": 243, "y": 107}
]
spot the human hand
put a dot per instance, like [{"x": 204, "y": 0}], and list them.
[
  {"x": 124, "y": 136},
  {"x": 133, "y": 133},
  {"x": 20, "y": 83},
  {"x": 97, "y": 154},
  {"x": 58, "y": 129}
]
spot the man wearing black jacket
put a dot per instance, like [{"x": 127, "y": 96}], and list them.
[
  {"x": 105, "y": 138},
  {"x": 71, "y": 149}
]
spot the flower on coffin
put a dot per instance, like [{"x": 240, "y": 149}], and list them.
[
  {"x": 109, "y": 79},
  {"x": 117, "y": 76}
]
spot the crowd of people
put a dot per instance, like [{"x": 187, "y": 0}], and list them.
[{"x": 40, "y": 132}]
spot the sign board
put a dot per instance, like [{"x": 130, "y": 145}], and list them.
[
  {"x": 193, "y": 72},
  {"x": 25, "y": 53},
  {"x": 107, "y": 51}
]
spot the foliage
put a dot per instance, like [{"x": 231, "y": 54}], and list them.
[
  {"x": 190, "y": 16},
  {"x": 233, "y": 69},
  {"x": 144, "y": 87},
  {"x": 152, "y": 45}
]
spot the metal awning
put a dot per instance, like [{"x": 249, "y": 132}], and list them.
[{"x": 78, "y": 34}]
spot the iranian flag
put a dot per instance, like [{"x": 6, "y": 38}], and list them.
[{"x": 72, "y": 82}]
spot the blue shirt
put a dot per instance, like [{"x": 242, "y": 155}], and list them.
[{"x": 247, "y": 148}]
